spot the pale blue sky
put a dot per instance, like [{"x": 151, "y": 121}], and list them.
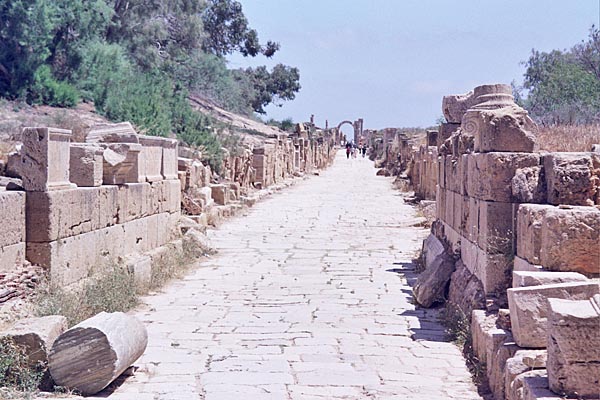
[{"x": 391, "y": 61}]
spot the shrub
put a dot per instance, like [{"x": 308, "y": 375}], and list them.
[
  {"x": 47, "y": 90},
  {"x": 111, "y": 291},
  {"x": 15, "y": 372}
]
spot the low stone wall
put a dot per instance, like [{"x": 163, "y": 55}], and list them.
[
  {"x": 83, "y": 206},
  {"x": 524, "y": 228}
]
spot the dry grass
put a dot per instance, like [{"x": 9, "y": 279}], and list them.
[{"x": 570, "y": 138}]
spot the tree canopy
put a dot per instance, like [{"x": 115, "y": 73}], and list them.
[{"x": 563, "y": 87}]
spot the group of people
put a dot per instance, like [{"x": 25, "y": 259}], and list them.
[{"x": 352, "y": 149}]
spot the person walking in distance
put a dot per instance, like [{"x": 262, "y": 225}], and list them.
[
  {"x": 348, "y": 149},
  {"x": 364, "y": 150}
]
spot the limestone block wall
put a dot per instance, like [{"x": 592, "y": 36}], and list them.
[
  {"x": 526, "y": 229},
  {"x": 12, "y": 239},
  {"x": 87, "y": 205}
]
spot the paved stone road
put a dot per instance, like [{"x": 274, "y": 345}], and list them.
[{"x": 304, "y": 301}]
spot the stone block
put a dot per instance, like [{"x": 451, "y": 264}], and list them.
[
  {"x": 521, "y": 264},
  {"x": 151, "y": 157},
  {"x": 220, "y": 194},
  {"x": 571, "y": 240},
  {"x": 432, "y": 247},
  {"x": 135, "y": 201},
  {"x": 234, "y": 190},
  {"x": 465, "y": 291},
  {"x": 496, "y": 227},
  {"x": 36, "y": 336},
  {"x": 515, "y": 366},
  {"x": 452, "y": 237},
  {"x": 445, "y": 131},
  {"x": 121, "y": 163},
  {"x": 536, "y": 388},
  {"x": 455, "y": 106},
  {"x": 112, "y": 133},
  {"x": 45, "y": 159},
  {"x": 529, "y": 185},
  {"x": 169, "y": 159},
  {"x": 574, "y": 347},
  {"x": 12, "y": 255},
  {"x": 140, "y": 266},
  {"x": 86, "y": 165},
  {"x": 570, "y": 178},
  {"x": 12, "y": 215},
  {"x": 503, "y": 348},
  {"x": 536, "y": 278},
  {"x": 60, "y": 214},
  {"x": 530, "y": 218},
  {"x": 431, "y": 285},
  {"x": 172, "y": 191},
  {"x": 482, "y": 324},
  {"x": 506, "y": 129},
  {"x": 529, "y": 308},
  {"x": 493, "y": 270},
  {"x": 491, "y": 174},
  {"x": 536, "y": 381}
]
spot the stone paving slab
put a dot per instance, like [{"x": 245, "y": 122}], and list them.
[{"x": 308, "y": 298}]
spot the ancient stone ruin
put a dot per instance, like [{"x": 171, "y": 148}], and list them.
[
  {"x": 515, "y": 245},
  {"x": 119, "y": 196}
]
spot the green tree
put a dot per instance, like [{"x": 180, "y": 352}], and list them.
[
  {"x": 228, "y": 31},
  {"x": 282, "y": 83},
  {"x": 25, "y": 35},
  {"x": 564, "y": 86}
]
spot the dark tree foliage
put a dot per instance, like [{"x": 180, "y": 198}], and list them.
[
  {"x": 227, "y": 31},
  {"x": 282, "y": 83}
]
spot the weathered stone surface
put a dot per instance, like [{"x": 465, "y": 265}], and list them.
[
  {"x": 466, "y": 291},
  {"x": 12, "y": 215},
  {"x": 496, "y": 227},
  {"x": 60, "y": 214},
  {"x": 432, "y": 284},
  {"x": 535, "y": 387},
  {"x": 12, "y": 255},
  {"x": 520, "y": 365},
  {"x": 574, "y": 347},
  {"x": 169, "y": 165},
  {"x": 151, "y": 158},
  {"x": 432, "y": 248},
  {"x": 86, "y": 165},
  {"x": 530, "y": 218},
  {"x": 112, "y": 133},
  {"x": 140, "y": 266},
  {"x": 72, "y": 259},
  {"x": 45, "y": 159},
  {"x": 521, "y": 264},
  {"x": 526, "y": 278},
  {"x": 529, "y": 308},
  {"x": 36, "y": 336},
  {"x": 502, "y": 349},
  {"x": 455, "y": 106},
  {"x": 532, "y": 377},
  {"x": 220, "y": 194},
  {"x": 570, "y": 240},
  {"x": 529, "y": 185},
  {"x": 507, "y": 129},
  {"x": 92, "y": 354},
  {"x": 197, "y": 244},
  {"x": 491, "y": 174},
  {"x": 121, "y": 163},
  {"x": 493, "y": 270},
  {"x": 570, "y": 178}
]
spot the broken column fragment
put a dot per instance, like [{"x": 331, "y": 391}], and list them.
[
  {"x": 121, "y": 163},
  {"x": 93, "y": 353}
]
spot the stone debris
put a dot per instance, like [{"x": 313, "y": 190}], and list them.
[{"x": 93, "y": 353}]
